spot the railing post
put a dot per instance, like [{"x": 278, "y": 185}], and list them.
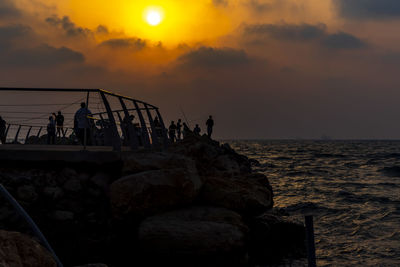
[
  {"x": 17, "y": 134},
  {"x": 310, "y": 241},
  {"x": 154, "y": 136},
  {"x": 27, "y": 135},
  {"x": 121, "y": 124},
  {"x": 40, "y": 130},
  {"x": 131, "y": 130},
  {"x": 145, "y": 133},
  {"x": 8, "y": 128},
  {"x": 116, "y": 140},
  {"x": 164, "y": 130}
]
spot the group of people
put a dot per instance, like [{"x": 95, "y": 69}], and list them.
[
  {"x": 179, "y": 130},
  {"x": 55, "y": 127}
]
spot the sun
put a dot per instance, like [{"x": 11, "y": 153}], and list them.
[{"x": 154, "y": 16}]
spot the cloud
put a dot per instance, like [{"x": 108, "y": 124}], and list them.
[
  {"x": 41, "y": 56},
  {"x": 214, "y": 57},
  {"x": 68, "y": 26},
  {"x": 9, "y": 34},
  {"x": 101, "y": 29},
  {"x": 7, "y": 9},
  {"x": 257, "y": 34},
  {"x": 125, "y": 43},
  {"x": 287, "y": 32},
  {"x": 222, "y": 3},
  {"x": 343, "y": 40},
  {"x": 367, "y": 9}
]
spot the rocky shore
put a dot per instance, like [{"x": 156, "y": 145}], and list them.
[{"x": 198, "y": 203}]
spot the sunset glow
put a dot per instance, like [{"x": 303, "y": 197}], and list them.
[{"x": 153, "y": 17}]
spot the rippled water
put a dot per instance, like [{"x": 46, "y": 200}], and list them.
[{"x": 351, "y": 187}]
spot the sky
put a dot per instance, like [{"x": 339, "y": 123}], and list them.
[{"x": 265, "y": 69}]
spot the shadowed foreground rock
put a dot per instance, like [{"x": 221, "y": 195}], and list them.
[
  {"x": 196, "y": 204},
  {"x": 19, "y": 250}
]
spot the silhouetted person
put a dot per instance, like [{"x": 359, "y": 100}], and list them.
[
  {"x": 197, "y": 130},
  {"x": 60, "y": 124},
  {"x": 51, "y": 131},
  {"x": 158, "y": 127},
  {"x": 210, "y": 125},
  {"x": 2, "y": 130},
  {"x": 82, "y": 124},
  {"x": 186, "y": 130},
  {"x": 171, "y": 131},
  {"x": 127, "y": 124},
  {"x": 179, "y": 129}
]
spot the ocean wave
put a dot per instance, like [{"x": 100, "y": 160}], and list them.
[
  {"x": 393, "y": 171},
  {"x": 309, "y": 207}
]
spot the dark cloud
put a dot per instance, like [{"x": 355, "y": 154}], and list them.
[
  {"x": 256, "y": 34},
  {"x": 68, "y": 26},
  {"x": 41, "y": 56},
  {"x": 101, "y": 29},
  {"x": 223, "y": 3},
  {"x": 214, "y": 57},
  {"x": 126, "y": 43},
  {"x": 10, "y": 33},
  {"x": 259, "y": 6},
  {"x": 8, "y": 9},
  {"x": 287, "y": 32},
  {"x": 367, "y": 9},
  {"x": 343, "y": 40}
]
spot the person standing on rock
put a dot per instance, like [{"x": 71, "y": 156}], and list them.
[
  {"x": 2, "y": 130},
  {"x": 210, "y": 125},
  {"x": 82, "y": 124},
  {"x": 60, "y": 124},
  {"x": 197, "y": 130},
  {"x": 51, "y": 131},
  {"x": 179, "y": 130},
  {"x": 186, "y": 130},
  {"x": 171, "y": 131}
]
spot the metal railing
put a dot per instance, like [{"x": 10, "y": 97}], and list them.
[{"x": 123, "y": 121}]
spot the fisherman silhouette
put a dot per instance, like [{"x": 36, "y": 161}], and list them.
[
  {"x": 197, "y": 129},
  {"x": 210, "y": 125},
  {"x": 186, "y": 130},
  {"x": 51, "y": 131},
  {"x": 157, "y": 126},
  {"x": 127, "y": 123},
  {"x": 60, "y": 124},
  {"x": 2, "y": 130},
  {"x": 171, "y": 131},
  {"x": 82, "y": 124},
  {"x": 179, "y": 129}
]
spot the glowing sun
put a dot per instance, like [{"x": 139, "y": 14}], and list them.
[{"x": 154, "y": 17}]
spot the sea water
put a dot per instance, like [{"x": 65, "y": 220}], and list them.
[{"x": 351, "y": 187}]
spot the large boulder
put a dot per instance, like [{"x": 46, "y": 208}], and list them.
[
  {"x": 248, "y": 195},
  {"x": 149, "y": 192},
  {"x": 19, "y": 250},
  {"x": 274, "y": 237},
  {"x": 206, "y": 236}
]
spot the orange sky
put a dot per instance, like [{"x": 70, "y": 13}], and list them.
[{"x": 299, "y": 68}]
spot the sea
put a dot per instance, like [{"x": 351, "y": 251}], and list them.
[{"x": 352, "y": 188}]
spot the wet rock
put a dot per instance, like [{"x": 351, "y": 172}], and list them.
[
  {"x": 273, "y": 237},
  {"x": 93, "y": 265},
  {"x": 53, "y": 192},
  {"x": 154, "y": 191},
  {"x": 207, "y": 236},
  {"x": 27, "y": 193},
  {"x": 19, "y": 250},
  {"x": 247, "y": 195},
  {"x": 227, "y": 164},
  {"x": 62, "y": 215},
  {"x": 73, "y": 185},
  {"x": 102, "y": 181}
]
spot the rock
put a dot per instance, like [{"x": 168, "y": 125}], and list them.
[
  {"x": 53, "y": 192},
  {"x": 93, "y": 265},
  {"x": 61, "y": 215},
  {"x": 19, "y": 250},
  {"x": 27, "y": 193},
  {"x": 207, "y": 236},
  {"x": 73, "y": 185},
  {"x": 102, "y": 181},
  {"x": 273, "y": 237},
  {"x": 154, "y": 191},
  {"x": 227, "y": 164},
  {"x": 248, "y": 195}
]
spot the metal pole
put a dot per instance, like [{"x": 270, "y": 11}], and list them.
[
  {"x": 40, "y": 130},
  {"x": 29, "y": 220},
  {"x": 164, "y": 130},
  {"x": 27, "y": 135},
  {"x": 145, "y": 134},
  {"x": 131, "y": 130},
  {"x": 116, "y": 140},
  {"x": 8, "y": 128},
  {"x": 310, "y": 241},
  {"x": 16, "y": 136},
  {"x": 154, "y": 137},
  {"x": 87, "y": 120}
]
